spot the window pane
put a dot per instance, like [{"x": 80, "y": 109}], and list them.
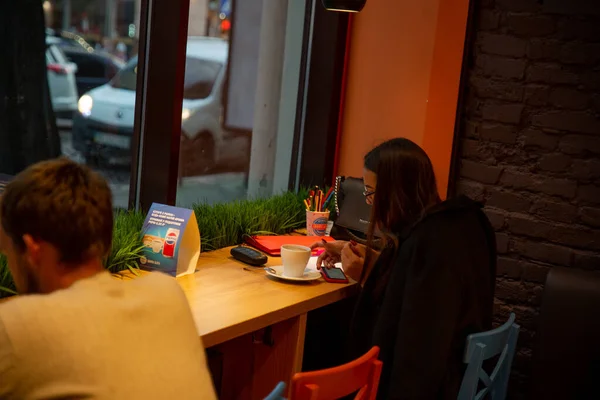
[
  {"x": 126, "y": 78},
  {"x": 49, "y": 56},
  {"x": 87, "y": 43},
  {"x": 201, "y": 74},
  {"x": 59, "y": 56},
  {"x": 214, "y": 163},
  {"x": 112, "y": 68},
  {"x": 87, "y": 64}
]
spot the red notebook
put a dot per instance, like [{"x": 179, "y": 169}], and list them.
[{"x": 271, "y": 245}]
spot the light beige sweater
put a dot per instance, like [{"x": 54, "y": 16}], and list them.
[{"x": 103, "y": 338}]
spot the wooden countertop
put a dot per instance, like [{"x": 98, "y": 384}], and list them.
[{"x": 229, "y": 299}]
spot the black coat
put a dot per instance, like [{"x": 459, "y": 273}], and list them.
[{"x": 423, "y": 299}]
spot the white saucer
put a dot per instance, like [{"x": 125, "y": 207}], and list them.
[{"x": 309, "y": 275}]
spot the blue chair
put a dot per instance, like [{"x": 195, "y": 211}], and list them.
[
  {"x": 277, "y": 393},
  {"x": 500, "y": 342}
]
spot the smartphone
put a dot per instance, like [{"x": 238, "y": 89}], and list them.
[{"x": 334, "y": 275}]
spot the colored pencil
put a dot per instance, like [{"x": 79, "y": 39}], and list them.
[
  {"x": 328, "y": 199},
  {"x": 318, "y": 202},
  {"x": 329, "y": 193},
  {"x": 322, "y": 201}
]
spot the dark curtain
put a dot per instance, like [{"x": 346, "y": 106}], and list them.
[{"x": 28, "y": 132}]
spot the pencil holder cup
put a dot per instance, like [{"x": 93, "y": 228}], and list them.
[{"x": 316, "y": 223}]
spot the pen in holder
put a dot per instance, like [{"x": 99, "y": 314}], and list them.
[{"x": 317, "y": 213}]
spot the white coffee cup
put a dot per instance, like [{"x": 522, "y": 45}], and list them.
[{"x": 294, "y": 260}]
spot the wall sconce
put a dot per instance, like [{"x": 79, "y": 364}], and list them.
[{"x": 344, "y": 5}]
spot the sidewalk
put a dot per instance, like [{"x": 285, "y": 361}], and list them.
[
  {"x": 211, "y": 189},
  {"x": 217, "y": 188}
]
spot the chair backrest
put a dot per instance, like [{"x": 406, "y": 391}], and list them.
[
  {"x": 566, "y": 353},
  {"x": 361, "y": 375},
  {"x": 277, "y": 393},
  {"x": 500, "y": 342}
]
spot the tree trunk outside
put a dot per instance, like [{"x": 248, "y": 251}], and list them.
[{"x": 28, "y": 131}]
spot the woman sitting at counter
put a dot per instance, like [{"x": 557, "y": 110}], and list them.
[{"x": 431, "y": 285}]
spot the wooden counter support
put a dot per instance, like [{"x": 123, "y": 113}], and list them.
[
  {"x": 250, "y": 368},
  {"x": 252, "y": 325}
]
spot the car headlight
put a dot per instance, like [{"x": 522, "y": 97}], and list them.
[
  {"x": 185, "y": 113},
  {"x": 84, "y": 105}
]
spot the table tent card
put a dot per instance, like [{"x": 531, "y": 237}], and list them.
[{"x": 171, "y": 240}]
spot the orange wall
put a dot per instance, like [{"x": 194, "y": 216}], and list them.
[{"x": 403, "y": 78}]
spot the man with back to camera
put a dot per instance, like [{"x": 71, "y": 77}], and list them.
[{"x": 77, "y": 332}]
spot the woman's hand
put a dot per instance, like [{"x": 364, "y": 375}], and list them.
[
  {"x": 332, "y": 253},
  {"x": 353, "y": 259}
]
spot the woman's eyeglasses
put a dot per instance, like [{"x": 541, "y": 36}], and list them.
[{"x": 368, "y": 193}]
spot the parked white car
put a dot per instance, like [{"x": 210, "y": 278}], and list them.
[
  {"x": 103, "y": 126},
  {"x": 61, "y": 80}
]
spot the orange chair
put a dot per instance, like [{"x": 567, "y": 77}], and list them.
[{"x": 361, "y": 375}]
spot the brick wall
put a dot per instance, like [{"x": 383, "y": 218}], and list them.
[{"x": 530, "y": 149}]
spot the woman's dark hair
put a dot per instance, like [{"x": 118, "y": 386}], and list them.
[{"x": 406, "y": 187}]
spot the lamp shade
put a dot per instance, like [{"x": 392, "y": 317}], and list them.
[{"x": 344, "y": 5}]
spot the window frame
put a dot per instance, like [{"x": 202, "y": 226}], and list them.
[
  {"x": 159, "y": 97},
  {"x": 320, "y": 100}
]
